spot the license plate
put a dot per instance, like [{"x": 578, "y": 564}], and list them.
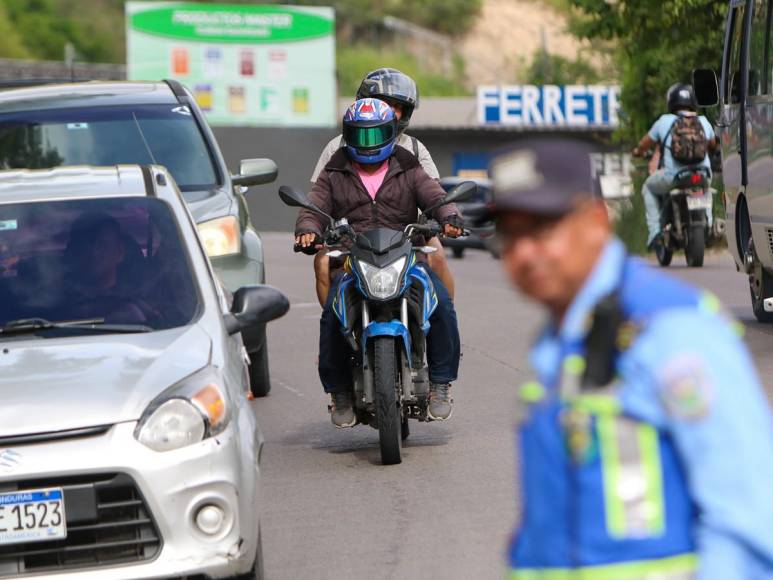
[
  {"x": 698, "y": 202},
  {"x": 35, "y": 515}
]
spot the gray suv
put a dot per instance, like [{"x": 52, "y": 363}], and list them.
[{"x": 111, "y": 123}]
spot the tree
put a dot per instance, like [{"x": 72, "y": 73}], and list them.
[{"x": 657, "y": 44}]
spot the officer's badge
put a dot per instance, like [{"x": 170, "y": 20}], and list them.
[{"x": 686, "y": 390}]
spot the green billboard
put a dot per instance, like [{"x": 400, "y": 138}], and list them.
[{"x": 246, "y": 64}]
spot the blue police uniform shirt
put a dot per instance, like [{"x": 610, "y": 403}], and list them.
[
  {"x": 661, "y": 132},
  {"x": 689, "y": 375}
]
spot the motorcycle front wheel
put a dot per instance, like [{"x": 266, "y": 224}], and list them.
[
  {"x": 387, "y": 410},
  {"x": 696, "y": 246},
  {"x": 664, "y": 253}
]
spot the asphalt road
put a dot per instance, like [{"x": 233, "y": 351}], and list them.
[{"x": 332, "y": 511}]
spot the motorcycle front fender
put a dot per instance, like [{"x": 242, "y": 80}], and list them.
[{"x": 395, "y": 329}]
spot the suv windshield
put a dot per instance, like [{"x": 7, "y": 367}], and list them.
[
  {"x": 160, "y": 134},
  {"x": 116, "y": 259}
]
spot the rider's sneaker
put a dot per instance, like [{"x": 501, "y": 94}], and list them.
[
  {"x": 341, "y": 411},
  {"x": 441, "y": 404}
]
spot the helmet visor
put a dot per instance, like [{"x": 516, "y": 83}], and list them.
[{"x": 369, "y": 137}]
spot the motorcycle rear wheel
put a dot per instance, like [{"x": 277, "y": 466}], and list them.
[{"x": 387, "y": 411}]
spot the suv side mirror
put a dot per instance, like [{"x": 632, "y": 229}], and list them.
[
  {"x": 704, "y": 81},
  {"x": 255, "y": 172},
  {"x": 253, "y": 305}
]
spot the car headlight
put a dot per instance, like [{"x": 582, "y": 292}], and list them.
[
  {"x": 382, "y": 282},
  {"x": 184, "y": 415},
  {"x": 221, "y": 237}
]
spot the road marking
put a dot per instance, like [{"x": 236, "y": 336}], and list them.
[
  {"x": 289, "y": 388},
  {"x": 306, "y": 305}
]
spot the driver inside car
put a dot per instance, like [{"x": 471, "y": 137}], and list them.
[
  {"x": 374, "y": 184},
  {"x": 94, "y": 255}
]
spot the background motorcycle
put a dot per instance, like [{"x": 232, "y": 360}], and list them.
[
  {"x": 683, "y": 217},
  {"x": 384, "y": 302}
]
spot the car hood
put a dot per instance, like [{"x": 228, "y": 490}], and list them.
[
  {"x": 208, "y": 204},
  {"x": 70, "y": 383}
]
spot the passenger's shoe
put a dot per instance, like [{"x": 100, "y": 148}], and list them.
[
  {"x": 341, "y": 411},
  {"x": 441, "y": 404}
]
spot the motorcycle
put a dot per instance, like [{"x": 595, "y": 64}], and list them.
[
  {"x": 384, "y": 302},
  {"x": 683, "y": 217}
]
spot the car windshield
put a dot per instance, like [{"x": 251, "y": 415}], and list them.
[
  {"x": 160, "y": 134},
  {"x": 119, "y": 260}
]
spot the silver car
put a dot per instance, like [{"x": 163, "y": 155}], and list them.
[{"x": 127, "y": 446}]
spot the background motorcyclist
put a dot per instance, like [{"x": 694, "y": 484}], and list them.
[
  {"x": 681, "y": 103},
  {"x": 375, "y": 184},
  {"x": 399, "y": 91}
]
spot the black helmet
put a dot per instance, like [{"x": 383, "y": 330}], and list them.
[
  {"x": 390, "y": 84},
  {"x": 681, "y": 97}
]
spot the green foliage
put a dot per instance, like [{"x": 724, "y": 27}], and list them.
[
  {"x": 11, "y": 43},
  {"x": 452, "y": 17},
  {"x": 657, "y": 44},
  {"x": 553, "y": 69},
  {"x": 40, "y": 29},
  {"x": 355, "y": 61}
]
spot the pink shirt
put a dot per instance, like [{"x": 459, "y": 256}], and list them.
[{"x": 373, "y": 181}]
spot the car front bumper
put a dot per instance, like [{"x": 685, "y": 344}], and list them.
[{"x": 174, "y": 485}]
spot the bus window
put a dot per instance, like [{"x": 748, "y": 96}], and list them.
[
  {"x": 734, "y": 72},
  {"x": 759, "y": 50}
]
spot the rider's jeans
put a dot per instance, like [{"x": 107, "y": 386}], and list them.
[
  {"x": 443, "y": 346},
  {"x": 655, "y": 187}
]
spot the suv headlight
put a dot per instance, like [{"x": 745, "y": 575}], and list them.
[
  {"x": 382, "y": 282},
  {"x": 184, "y": 415},
  {"x": 221, "y": 237}
]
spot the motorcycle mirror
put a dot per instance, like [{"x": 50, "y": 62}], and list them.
[
  {"x": 459, "y": 192},
  {"x": 293, "y": 197},
  {"x": 296, "y": 198}
]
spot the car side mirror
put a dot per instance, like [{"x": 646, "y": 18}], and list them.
[
  {"x": 255, "y": 172},
  {"x": 253, "y": 305},
  {"x": 704, "y": 81}
]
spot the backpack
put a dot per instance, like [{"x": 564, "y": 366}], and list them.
[{"x": 689, "y": 144}]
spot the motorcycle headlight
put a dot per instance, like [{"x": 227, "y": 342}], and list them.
[
  {"x": 382, "y": 282},
  {"x": 221, "y": 237},
  {"x": 184, "y": 415}
]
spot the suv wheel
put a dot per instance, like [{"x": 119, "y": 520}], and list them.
[{"x": 260, "y": 380}]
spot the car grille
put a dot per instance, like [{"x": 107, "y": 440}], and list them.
[{"x": 108, "y": 523}]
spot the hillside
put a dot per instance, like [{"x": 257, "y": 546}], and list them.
[{"x": 507, "y": 34}]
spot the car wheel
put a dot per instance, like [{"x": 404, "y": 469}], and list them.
[
  {"x": 760, "y": 288},
  {"x": 260, "y": 380}
]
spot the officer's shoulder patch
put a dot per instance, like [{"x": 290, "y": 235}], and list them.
[{"x": 686, "y": 388}]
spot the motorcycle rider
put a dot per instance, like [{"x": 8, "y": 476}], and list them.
[
  {"x": 681, "y": 102},
  {"x": 399, "y": 91},
  {"x": 375, "y": 184}
]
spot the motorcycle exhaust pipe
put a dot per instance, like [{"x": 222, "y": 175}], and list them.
[{"x": 767, "y": 304}]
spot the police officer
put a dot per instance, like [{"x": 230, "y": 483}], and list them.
[{"x": 646, "y": 443}]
